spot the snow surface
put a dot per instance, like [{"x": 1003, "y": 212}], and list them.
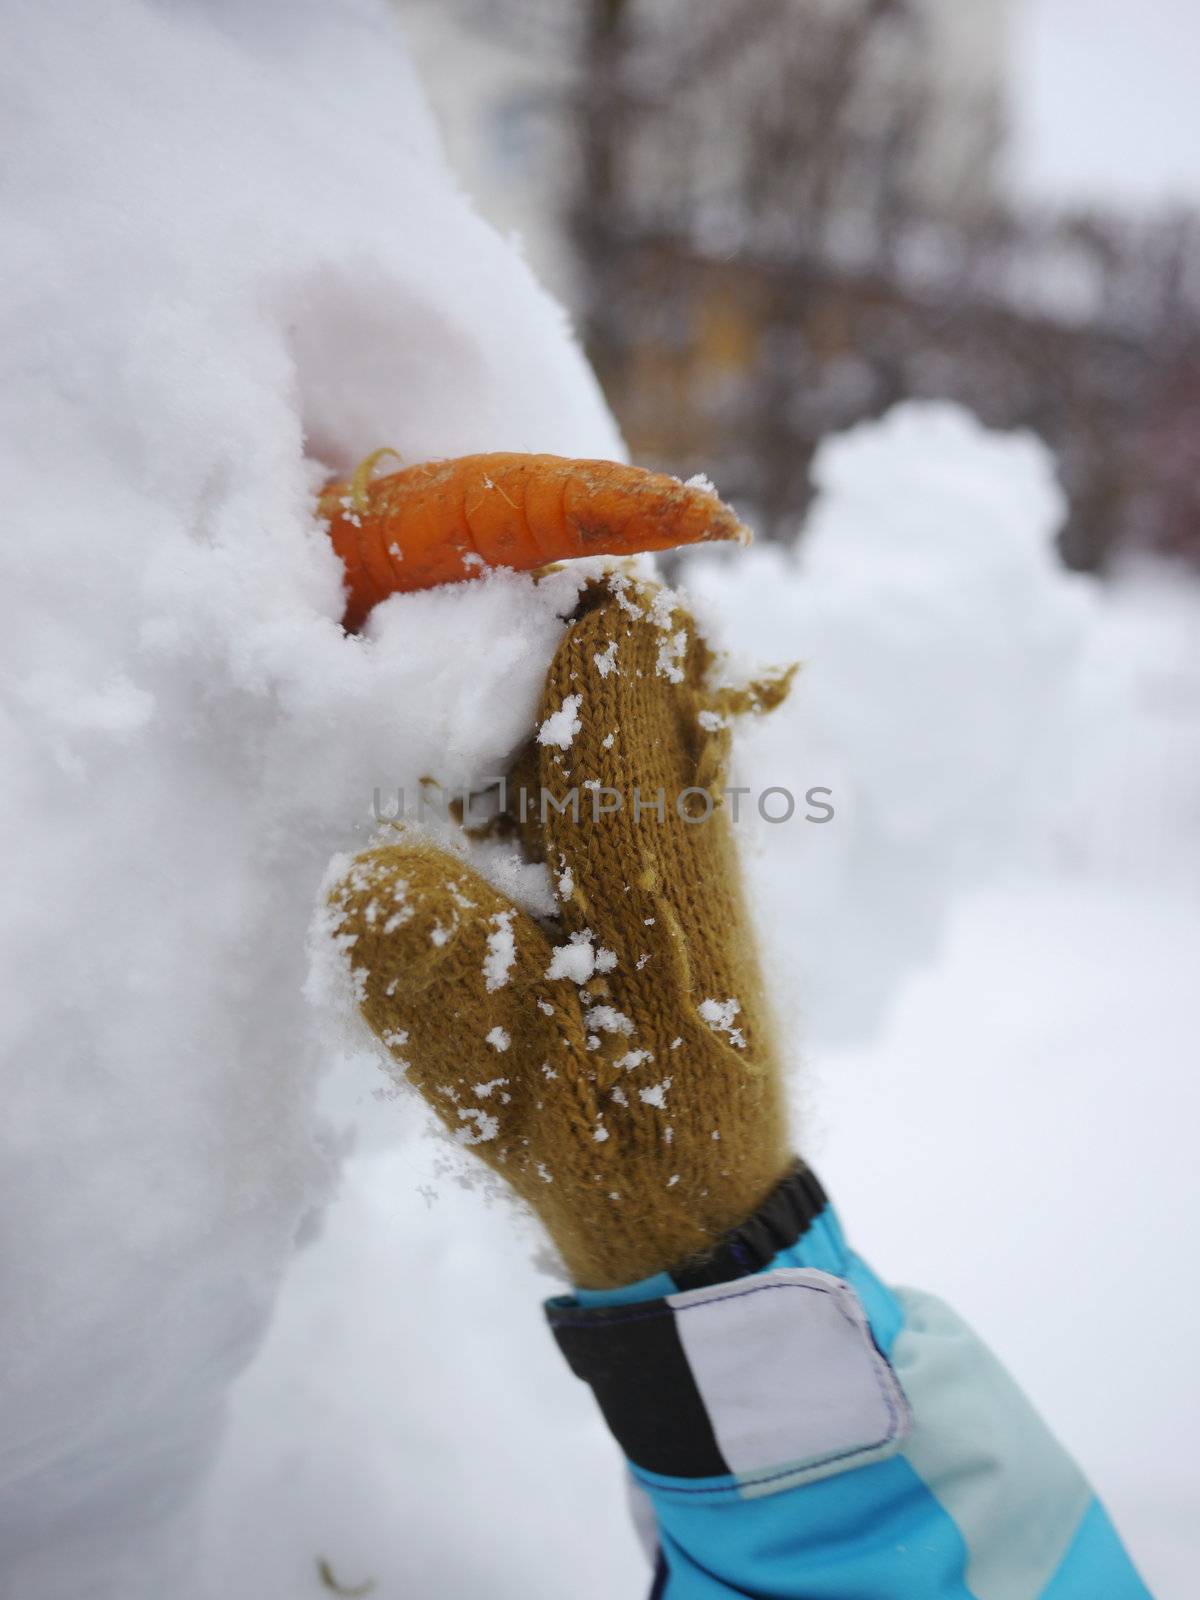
[{"x": 233, "y": 259}]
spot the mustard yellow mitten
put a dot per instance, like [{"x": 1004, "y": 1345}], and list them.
[{"x": 615, "y": 1064}]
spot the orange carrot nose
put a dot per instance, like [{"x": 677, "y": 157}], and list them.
[{"x": 447, "y": 521}]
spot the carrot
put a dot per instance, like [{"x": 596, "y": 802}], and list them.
[{"x": 446, "y": 521}]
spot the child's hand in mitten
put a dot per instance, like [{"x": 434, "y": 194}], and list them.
[{"x": 616, "y": 1065}]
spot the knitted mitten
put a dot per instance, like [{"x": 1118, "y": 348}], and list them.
[{"x": 615, "y": 1063}]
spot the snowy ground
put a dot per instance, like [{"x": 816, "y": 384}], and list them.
[{"x": 1020, "y": 1140}]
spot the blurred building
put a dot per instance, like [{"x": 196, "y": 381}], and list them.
[
  {"x": 500, "y": 77},
  {"x": 500, "y": 72},
  {"x": 776, "y": 217},
  {"x": 970, "y": 56}
]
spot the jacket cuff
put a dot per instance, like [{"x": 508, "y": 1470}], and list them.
[
  {"x": 724, "y": 1378},
  {"x": 751, "y": 1387}
]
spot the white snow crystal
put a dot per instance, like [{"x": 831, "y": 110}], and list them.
[
  {"x": 606, "y": 660},
  {"x": 565, "y": 880},
  {"x": 634, "y": 1058},
  {"x": 501, "y": 950},
  {"x": 670, "y": 653},
  {"x": 607, "y": 1019},
  {"x": 577, "y": 959},
  {"x": 486, "y": 1090},
  {"x": 486, "y": 1126},
  {"x": 719, "y": 1015},
  {"x": 398, "y": 918},
  {"x": 656, "y": 1095},
  {"x": 663, "y": 606},
  {"x": 561, "y": 726},
  {"x": 620, "y": 587},
  {"x": 498, "y": 1038}
]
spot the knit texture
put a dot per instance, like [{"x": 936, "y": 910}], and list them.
[{"x": 615, "y": 1065}]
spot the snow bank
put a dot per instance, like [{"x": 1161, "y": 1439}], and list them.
[
  {"x": 1124, "y": 800},
  {"x": 232, "y": 258}
]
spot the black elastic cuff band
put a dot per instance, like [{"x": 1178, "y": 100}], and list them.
[{"x": 787, "y": 1213}]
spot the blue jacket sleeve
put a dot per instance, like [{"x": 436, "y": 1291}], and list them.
[{"x": 802, "y": 1432}]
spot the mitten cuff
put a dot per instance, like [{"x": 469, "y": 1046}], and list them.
[{"x": 787, "y": 1213}]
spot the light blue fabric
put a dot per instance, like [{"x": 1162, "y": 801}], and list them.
[
  {"x": 985, "y": 1454},
  {"x": 873, "y": 1534},
  {"x": 655, "y": 1288},
  {"x": 1096, "y": 1564},
  {"x": 981, "y": 1504}
]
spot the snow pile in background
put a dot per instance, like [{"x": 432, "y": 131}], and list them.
[
  {"x": 938, "y": 636},
  {"x": 1123, "y": 795},
  {"x": 230, "y": 246}
]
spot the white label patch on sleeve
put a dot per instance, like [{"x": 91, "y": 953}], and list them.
[{"x": 793, "y": 1384}]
